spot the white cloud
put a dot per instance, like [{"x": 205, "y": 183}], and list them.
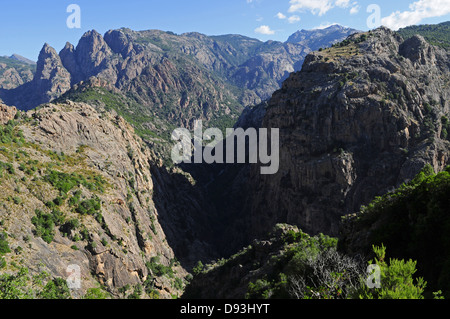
[
  {"x": 319, "y": 7},
  {"x": 343, "y": 3},
  {"x": 355, "y": 9},
  {"x": 291, "y": 19},
  {"x": 418, "y": 11},
  {"x": 280, "y": 16},
  {"x": 264, "y": 29},
  {"x": 294, "y": 19}
]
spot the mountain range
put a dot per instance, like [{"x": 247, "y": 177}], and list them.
[
  {"x": 86, "y": 179},
  {"x": 173, "y": 78}
]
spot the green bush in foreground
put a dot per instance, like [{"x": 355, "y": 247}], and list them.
[
  {"x": 24, "y": 286},
  {"x": 55, "y": 289},
  {"x": 311, "y": 268},
  {"x": 414, "y": 223},
  {"x": 96, "y": 293},
  {"x": 396, "y": 279}
]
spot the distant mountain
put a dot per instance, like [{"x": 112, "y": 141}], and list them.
[
  {"x": 321, "y": 38},
  {"x": 15, "y": 71},
  {"x": 22, "y": 59}
]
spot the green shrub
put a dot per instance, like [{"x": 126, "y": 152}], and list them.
[
  {"x": 15, "y": 286},
  {"x": 414, "y": 222},
  {"x": 55, "y": 289},
  {"x": 58, "y": 217},
  {"x": 198, "y": 268},
  {"x": 178, "y": 283},
  {"x": 17, "y": 200},
  {"x": 69, "y": 226},
  {"x": 65, "y": 182},
  {"x": 9, "y": 134},
  {"x": 136, "y": 294},
  {"x": 96, "y": 293},
  {"x": 158, "y": 269},
  {"x": 396, "y": 279},
  {"x": 4, "y": 246},
  {"x": 23, "y": 286},
  {"x": 73, "y": 223},
  {"x": 75, "y": 199},
  {"x": 45, "y": 225},
  {"x": 89, "y": 206},
  {"x": 310, "y": 268},
  {"x": 58, "y": 201},
  {"x": 261, "y": 288}
]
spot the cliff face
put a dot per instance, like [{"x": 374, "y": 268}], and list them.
[
  {"x": 78, "y": 190},
  {"x": 358, "y": 120}
]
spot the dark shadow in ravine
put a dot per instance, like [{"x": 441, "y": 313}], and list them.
[
  {"x": 186, "y": 216},
  {"x": 202, "y": 220}
]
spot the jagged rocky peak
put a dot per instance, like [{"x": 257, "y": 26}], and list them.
[
  {"x": 91, "y": 40},
  {"x": 68, "y": 49},
  {"x": 246, "y": 70},
  {"x": 51, "y": 78},
  {"x": 68, "y": 59},
  {"x": 92, "y": 53},
  {"x": 119, "y": 42},
  {"x": 47, "y": 52}
]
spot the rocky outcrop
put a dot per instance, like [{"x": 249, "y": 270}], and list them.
[{"x": 7, "y": 113}]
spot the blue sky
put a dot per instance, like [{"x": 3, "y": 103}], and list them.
[{"x": 25, "y": 25}]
